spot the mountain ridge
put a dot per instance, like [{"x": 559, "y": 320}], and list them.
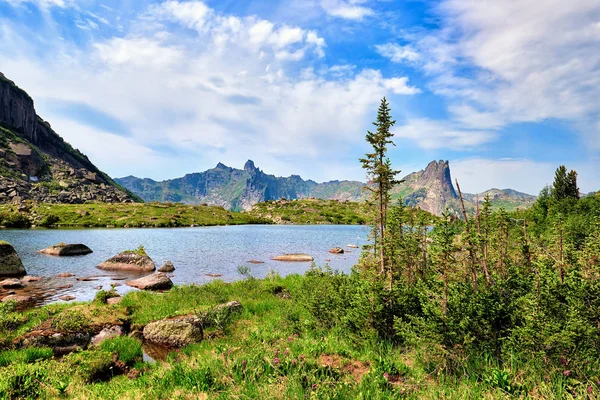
[{"x": 240, "y": 189}]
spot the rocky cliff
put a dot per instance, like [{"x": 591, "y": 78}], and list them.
[{"x": 37, "y": 164}]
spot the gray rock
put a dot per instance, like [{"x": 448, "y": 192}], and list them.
[
  {"x": 10, "y": 263},
  {"x": 157, "y": 281},
  {"x": 114, "y": 300},
  {"x": 129, "y": 261},
  {"x": 177, "y": 332},
  {"x": 66, "y": 250},
  {"x": 167, "y": 267},
  {"x": 106, "y": 333}
]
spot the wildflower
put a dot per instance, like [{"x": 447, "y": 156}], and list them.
[
  {"x": 314, "y": 386},
  {"x": 590, "y": 390},
  {"x": 386, "y": 376},
  {"x": 566, "y": 372},
  {"x": 244, "y": 362},
  {"x": 294, "y": 361},
  {"x": 276, "y": 361},
  {"x": 286, "y": 352}
]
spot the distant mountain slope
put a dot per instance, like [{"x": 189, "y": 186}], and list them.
[
  {"x": 430, "y": 189},
  {"x": 37, "y": 164},
  {"x": 238, "y": 189},
  {"x": 508, "y": 199}
]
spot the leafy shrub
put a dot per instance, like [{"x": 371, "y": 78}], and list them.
[
  {"x": 14, "y": 220},
  {"x": 103, "y": 295},
  {"x": 49, "y": 220},
  {"x": 92, "y": 366}
]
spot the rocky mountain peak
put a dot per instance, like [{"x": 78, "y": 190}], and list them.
[{"x": 249, "y": 166}]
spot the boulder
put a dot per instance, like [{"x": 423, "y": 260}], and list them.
[
  {"x": 66, "y": 250},
  {"x": 106, "y": 333},
  {"x": 67, "y": 297},
  {"x": 129, "y": 261},
  {"x": 10, "y": 263},
  {"x": 30, "y": 278},
  {"x": 336, "y": 250},
  {"x": 293, "y": 257},
  {"x": 157, "y": 281},
  {"x": 176, "y": 332},
  {"x": 167, "y": 267},
  {"x": 11, "y": 283},
  {"x": 18, "y": 298},
  {"x": 114, "y": 300}
]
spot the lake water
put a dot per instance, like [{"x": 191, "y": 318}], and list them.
[{"x": 195, "y": 252}]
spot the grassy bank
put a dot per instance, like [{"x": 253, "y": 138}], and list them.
[
  {"x": 121, "y": 215},
  {"x": 276, "y": 348}
]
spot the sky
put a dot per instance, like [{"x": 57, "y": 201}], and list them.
[{"x": 506, "y": 90}]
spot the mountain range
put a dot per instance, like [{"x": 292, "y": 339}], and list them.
[{"x": 240, "y": 189}]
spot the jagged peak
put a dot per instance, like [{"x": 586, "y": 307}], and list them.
[
  {"x": 249, "y": 166},
  {"x": 221, "y": 166}
]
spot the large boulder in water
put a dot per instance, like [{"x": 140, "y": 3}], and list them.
[
  {"x": 130, "y": 260},
  {"x": 10, "y": 263},
  {"x": 293, "y": 257},
  {"x": 152, "y": 282},
  {"x": 65, "y": 250}
]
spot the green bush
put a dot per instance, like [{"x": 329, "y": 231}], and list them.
[
  {"x": 14, "y": 220},
  {"x": 70, "y": 321}
]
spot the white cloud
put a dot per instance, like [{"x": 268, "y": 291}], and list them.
[
  {"x": 477, "y": 175},
  {"x": 43, "y": 4},
  {"x": 347, "y": 9},
  {"x": 397, "y": 53},
  {"x": 204, "y": 86},
  {"x": 429, "y": 134},
  {"x": 501, "y": 62}
]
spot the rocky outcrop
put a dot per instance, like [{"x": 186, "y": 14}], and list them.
[
  {"x": 336, "y": 250},
  {"x": 167, "y": 267},
  {"x": 65, "y": 250},
  {"x": 20, "y": 299},
  {"x": 37, "y": 164},
  {"x": 129, "y": 261},
  {"x": 157, "y": 281},
  {"x": 177, "y": 332},
  {"x": 11, "y": 283},
  {"x": 294, "y": 257},
  {"x": 10, "y": 263}
]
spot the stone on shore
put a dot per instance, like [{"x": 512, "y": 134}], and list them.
[
  {"x": 114, "y": 300},
  {"x": 293, "y": 257},
  {"x": 66, "y": 250},
  {"x": 129, "y": 261},
  {"x": 65, "y": 275},
  {"x": 67, "y": 297},
  {"x": 30, "y": 278},
  {"x": 11, "y": 283},
  {"x": 10, "y": 263},
  {"x": 167, "y": 267},
  {"x": 18, "y": 298},
  {"x": 255, "y": 262},
  {"x": 337, "y": 250},
  {"x": 177, "y": 332},
  {"x": 157, "y": 281},
  {"x": 107, "y": 333}
]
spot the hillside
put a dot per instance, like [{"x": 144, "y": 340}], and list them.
[
  {"x": 508, "y": 199},
  {"x": 37, "y": 164}
]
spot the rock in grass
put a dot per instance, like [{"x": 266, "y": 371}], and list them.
[
  {"x": 114, "y": 300},
  {"x": 167, "y": 267},
  {"x": 66, "y": 250},
  {"x": 157, "y": 281},
  {"x": 177, "y": 332},
  {"x": 11, "y": 283},
  {"x": 18, "y": 298},
  {"x": 10, "y": 263},
  {"x": 337, "y": 250},
  {"x": 137, "y": 261},
  {"x": 293, "y": 257},
  {"x": 107, "y": 333}
]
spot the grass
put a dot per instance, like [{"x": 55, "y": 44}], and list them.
[
  {"x": 273, "y": 349},
  {"x": 131, "y": 215},
  {"x": 311, "y": 211}
]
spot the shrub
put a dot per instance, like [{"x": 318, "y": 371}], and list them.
[
  {"x": 70, "y": 321},
  {"x": 128, "y": 350}
]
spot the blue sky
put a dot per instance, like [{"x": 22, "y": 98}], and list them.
[{"x": 505, "y": 90}]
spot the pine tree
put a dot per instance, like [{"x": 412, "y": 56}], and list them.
[
  {"x": 560, "y": 186},
  {"x": 380, "y": 172},
  {"x": 572, "y": 189}
]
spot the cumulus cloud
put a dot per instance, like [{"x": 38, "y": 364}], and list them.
[
  {"x": 206, "y": 86},
  {"x": 347, "y": 9},
  {"x": 501, "y": 62}
]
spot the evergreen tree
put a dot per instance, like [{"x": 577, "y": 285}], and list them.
[
  {"x": 572, "y": 189},
  {"x": 560, "y": 185},
  {"x": 380, "y": 172}
]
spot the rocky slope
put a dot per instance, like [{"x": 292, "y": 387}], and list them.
[
  {"x": 37, "y": 164},
  {"x": 508, "y": 199}
]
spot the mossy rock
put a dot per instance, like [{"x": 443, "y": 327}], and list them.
[{"x": 10, "y": 263}]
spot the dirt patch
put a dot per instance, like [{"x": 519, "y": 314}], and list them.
[{"x": 357, "y": 369}]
